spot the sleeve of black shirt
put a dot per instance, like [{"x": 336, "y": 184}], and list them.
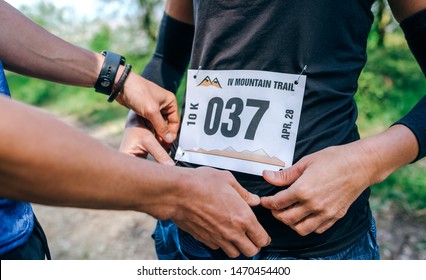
[
  {"x": 415, "y": 120},
  {"x": 414, "y": 28}
]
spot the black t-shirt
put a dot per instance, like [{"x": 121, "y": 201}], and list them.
[{"x": 282, "y": 36}]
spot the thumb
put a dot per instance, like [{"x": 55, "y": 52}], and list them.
[
  {"x": 160, "y": 126},
  {"x": 283, "y": 177}
]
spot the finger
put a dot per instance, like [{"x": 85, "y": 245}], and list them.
[
  {"x": 258, "y": 235},
  {"x": 130, "y": 144},
  {"x": 203, "y": 236},
  {"x": 254, "y": 239},
  {"x": 283, "y": 177},
  {"x": 293, "y": 214},
  {"x": 166, "y": 146},
  {"x": 209, "y": 243},
  {"x": 308, "y": 225},
  {"x": 172, "y": 117},
  {"x": 160, "y": 125},
  {"x": 140, "y": 141},
  {"x": 155, "y": 145},
  {"x": 134, "y": 132},
  {"x": 325, "y": 226},
  {"x": 250, "y": 198},
  {"x": 280, "y": 200},
  {"x": 230, "y": 249},
  {"x": 157, "y": 151},
  {"x": 246, "y": 246}
]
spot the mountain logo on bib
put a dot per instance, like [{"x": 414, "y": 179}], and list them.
[
  {"x": 259, "y": 155},
  {"x": 207, "y": 82}
]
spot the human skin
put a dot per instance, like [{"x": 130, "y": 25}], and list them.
[
  {"x": 43, "y": 160},
  {"x": 31, "y": 50}
]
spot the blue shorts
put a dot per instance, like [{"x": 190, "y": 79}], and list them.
[
  {"x": 36, "y": 248},
  {"x": 172, "y": 243}
]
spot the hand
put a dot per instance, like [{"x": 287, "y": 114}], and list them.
[
  {"x": 212, "y": 211},
  {"x": 322, "y": 187},
  {"x": 153, "y": 103},
  {"x": 139, "y": 139}
]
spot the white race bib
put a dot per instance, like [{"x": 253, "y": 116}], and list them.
[{"x": 241, "y": 120}]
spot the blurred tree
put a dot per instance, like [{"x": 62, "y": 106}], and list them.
[
  {"x": 48, "y": 15},
  {"x": 146, "y": 11},
  {"x": 101, "y": 39},
  {"x": 382, "y": 21}
]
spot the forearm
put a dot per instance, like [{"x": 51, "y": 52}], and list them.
[
  {"x": 386, "y": 152},
  {"x": 45, "y": 161},
  {"x": 29, "y": 49}
]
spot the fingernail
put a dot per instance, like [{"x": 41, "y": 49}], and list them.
[
  {"x": 270, "y": 174},
  {"x": 169, "y": 138},
  {"x": 255, "y": 199}
]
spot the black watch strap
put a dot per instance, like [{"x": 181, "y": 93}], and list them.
[{"x": 106, "y": 78}]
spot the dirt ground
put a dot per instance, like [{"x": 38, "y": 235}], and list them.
[
  {"x": 76, "y": 234},
  {"x": 111, "y": 235}
]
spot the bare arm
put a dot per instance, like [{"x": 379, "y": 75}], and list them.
[
  {"x": 43, "y": 160},
  {"x": 183, "y": 10},
  {"x": 28, "y": 49},
  {"x": 318, "y": 199},
  {"x": 402, "y": 9}
]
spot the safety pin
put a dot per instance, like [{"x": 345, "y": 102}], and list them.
[
  {"x": 177, "y": 160},
  {"x": 301, "y": 73},
  {"x": 199, "y": 68}
]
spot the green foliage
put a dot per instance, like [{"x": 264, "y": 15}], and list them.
[
  {"x": 406, "y": 187},
  {"x": 46, "y": 14},
  {"x": 33, "y": 91},
  {"x": 146, "y": 12},
  {"x": 88, "y": 107},
  {"x": 389, "y": 86},
  {"x": 101, "y": 39}
]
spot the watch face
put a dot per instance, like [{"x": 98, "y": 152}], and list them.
[{"x": 105, "y": 83}]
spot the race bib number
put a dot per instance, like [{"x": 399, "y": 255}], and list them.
[{"x": 241, "y": 120}]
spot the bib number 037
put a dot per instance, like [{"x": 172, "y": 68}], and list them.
[{"x": 213, "y": 121}]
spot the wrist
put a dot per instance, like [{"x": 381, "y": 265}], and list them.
[
  {"x": 388, "y": 151},
  {"x": 119, "y": 84},
  {"x": 172, "y": 201},
  {"x": 112, "y": 75},
  {"x": 105, "y": 82},
  {"x": 130, "y": 85}
]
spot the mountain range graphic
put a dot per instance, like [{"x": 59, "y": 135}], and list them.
[
  {"x": 208, "y": 82},
  {"x": 257, "y": 156}
]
